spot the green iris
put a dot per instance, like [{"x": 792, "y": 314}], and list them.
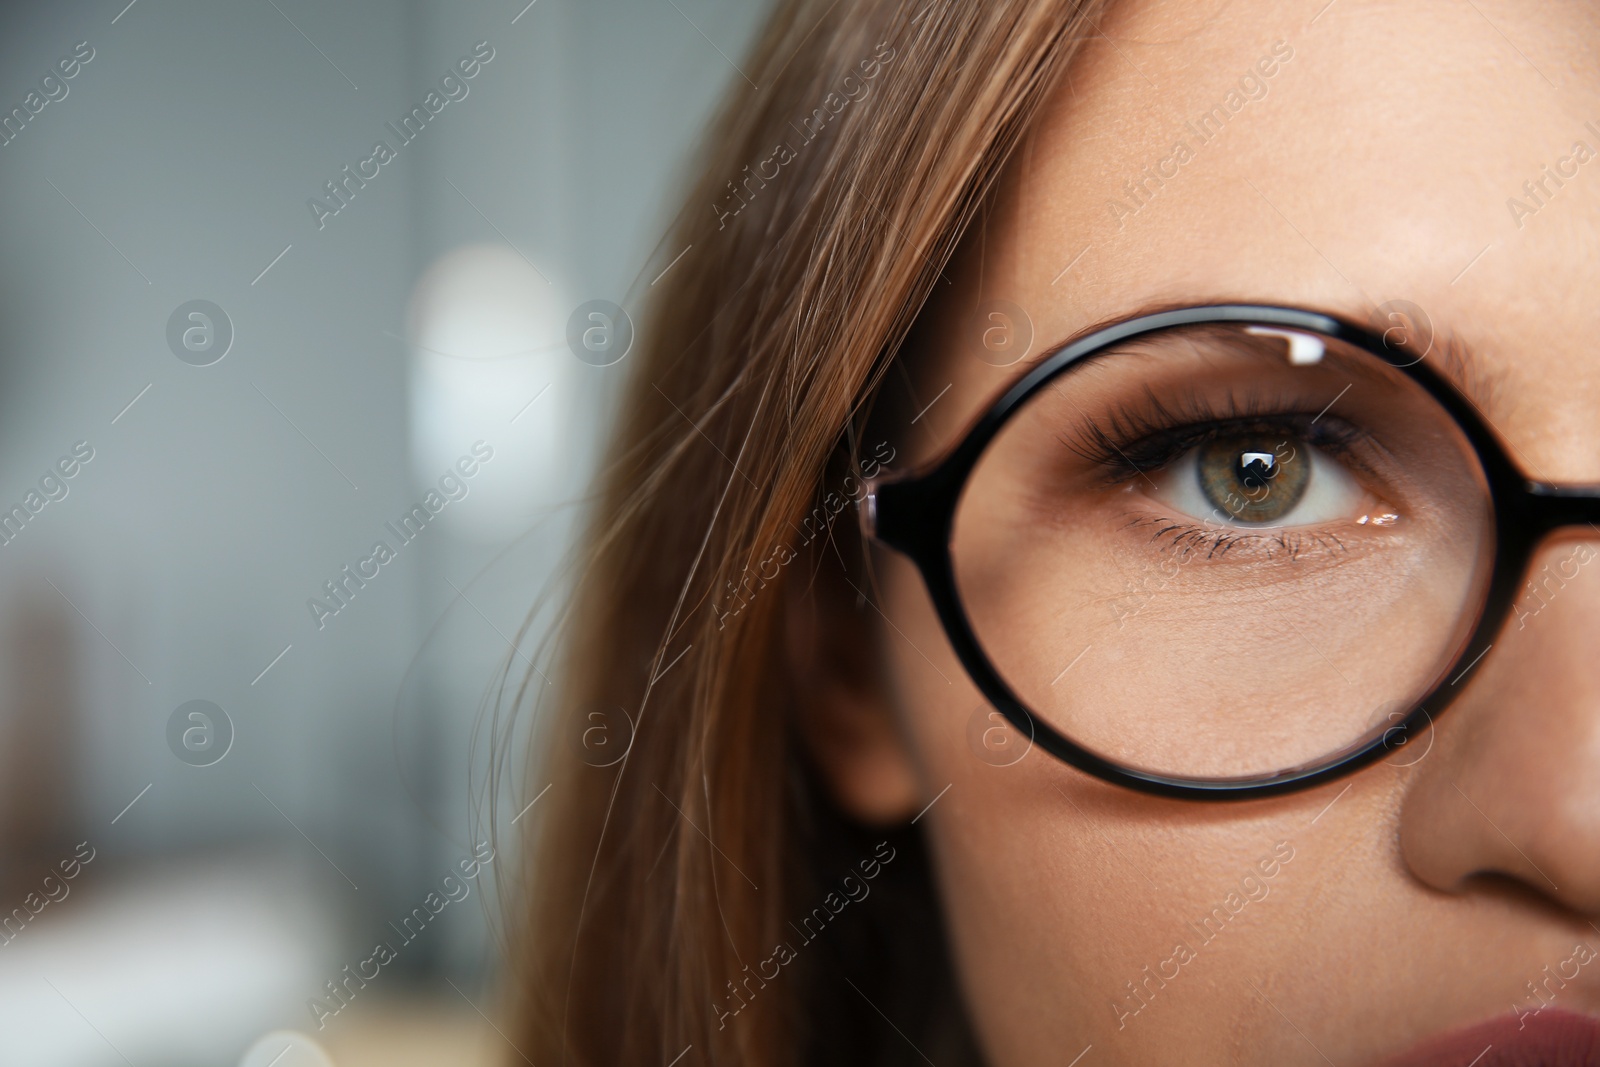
[{"x": 1252, "y": 478}]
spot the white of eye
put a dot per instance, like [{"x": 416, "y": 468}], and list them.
[{"x": 1331, "y": 493}]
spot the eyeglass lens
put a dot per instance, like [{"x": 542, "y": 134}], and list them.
[{"x": 1224, "y": 550}]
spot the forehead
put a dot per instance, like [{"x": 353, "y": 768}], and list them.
[{"x": 1335, "y": 157}]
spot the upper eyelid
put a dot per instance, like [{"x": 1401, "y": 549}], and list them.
[
  {"x": 1096, "y": 446},
  {"x": 1192, "y": 434}
]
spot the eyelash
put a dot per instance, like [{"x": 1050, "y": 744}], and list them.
[
  {"x": 1186, "y": 540},
  {"x": 1137, "y": 441}
]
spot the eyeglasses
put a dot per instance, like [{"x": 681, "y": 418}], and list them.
[{"x": 1224, "y": 552}]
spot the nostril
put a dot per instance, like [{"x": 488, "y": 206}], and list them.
[{"x": 1553, "y": 887}]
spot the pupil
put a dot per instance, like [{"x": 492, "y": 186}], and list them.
[{"x": 1253, "y": 469}]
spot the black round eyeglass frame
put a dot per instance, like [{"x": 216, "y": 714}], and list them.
[{"x": 915, "y": 514}]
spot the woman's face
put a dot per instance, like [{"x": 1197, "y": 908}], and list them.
[{"x": 1364, "y": 153}]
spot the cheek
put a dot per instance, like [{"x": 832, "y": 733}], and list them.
[
  {"x": 1058, "y": 891},
  {"x": 1008, "y": 852}
]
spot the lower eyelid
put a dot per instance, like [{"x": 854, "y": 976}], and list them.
[{"x": 1189, "y": 542}]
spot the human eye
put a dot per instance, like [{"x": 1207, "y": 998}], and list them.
[
  {"x": 1277, "y": 457},
  {"x": 1225, "y": 466},
  {"x": 1260, "y": 479},
  {"x": 1265, "y": 472}
]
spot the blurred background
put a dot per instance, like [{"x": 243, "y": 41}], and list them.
[{"x": 241, "y": 348}]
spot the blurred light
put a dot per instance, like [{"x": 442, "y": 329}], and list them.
[
  {"x": 170, "y": 967},
  {"x": 489, "y": 362},
  {"x": 286, "y": 1048}
]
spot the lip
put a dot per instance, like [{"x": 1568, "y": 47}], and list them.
[{"x": 1549, "y": 1038}]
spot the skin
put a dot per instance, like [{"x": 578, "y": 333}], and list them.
[{"x": 1433, "y": 888}]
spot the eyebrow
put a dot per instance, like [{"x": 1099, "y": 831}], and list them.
[{"x": 1468, "y": 372}]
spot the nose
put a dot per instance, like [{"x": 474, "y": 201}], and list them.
[{"x": 1512, "y": 787}]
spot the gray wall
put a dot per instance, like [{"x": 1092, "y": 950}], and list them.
[{"x": 180, "y": 561}]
